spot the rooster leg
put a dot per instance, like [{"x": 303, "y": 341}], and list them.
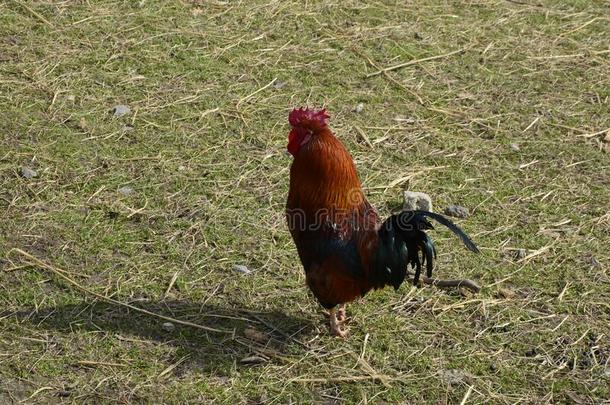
[
  {"x": 341, "y": 316},
  {"x": 335, "y": 325}
]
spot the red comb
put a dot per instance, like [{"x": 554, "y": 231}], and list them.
[{"x": 306, "y": 118}]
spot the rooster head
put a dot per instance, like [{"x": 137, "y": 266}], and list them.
[{"x": 304, "y": 123}]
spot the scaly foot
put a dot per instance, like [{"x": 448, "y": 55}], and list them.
[
  {"x": 335, "y": 325},
  {"x": 341, "y": 316}
]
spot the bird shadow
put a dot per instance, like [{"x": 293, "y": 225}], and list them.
[{"x": 249, "y": 337}]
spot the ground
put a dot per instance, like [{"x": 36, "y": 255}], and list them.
[{"x": 498, "y": 106}]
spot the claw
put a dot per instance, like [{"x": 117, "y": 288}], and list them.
[
  {"x": 335, "y": 324},
  {"x": 341, "y": 316}
]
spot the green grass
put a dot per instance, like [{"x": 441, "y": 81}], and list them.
[{"x": 203, "y": 149}]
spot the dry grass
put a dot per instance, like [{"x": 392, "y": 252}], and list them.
[{"x": 500, "y": 106}]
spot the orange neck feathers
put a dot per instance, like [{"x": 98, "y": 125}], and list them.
[{"x": 323, "y": 178}]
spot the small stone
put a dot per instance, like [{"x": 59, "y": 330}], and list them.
[
  {"x": 520, "y": 253},
  {"x": 242, "y": 269},
  {"x": 531, "y": 352},
  {"x": 279, "y": 84},
  {"x": 456, "y": 211},
  {"x": 120, "y": 109},
  {"x": 515, "y": 147},
  {"x": 126, "y": 190},
  {"x": 28, "y": 172},
  {"x": 359, "y": 107},
  {"x": 168, "y": 327},
  {"x": 456, "y": 376},
  {"x": 63, "y": 393},
  {"x": 415, "y": 200}
]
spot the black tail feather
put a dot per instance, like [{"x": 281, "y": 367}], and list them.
[
  {"x": 403, "y": 241},
  {"x": 453, "y": 227}
]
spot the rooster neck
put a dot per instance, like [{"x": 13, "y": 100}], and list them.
[{"x": 323, "y": 176}]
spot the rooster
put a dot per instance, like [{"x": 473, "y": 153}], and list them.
[{"x": 345, "y": 249}]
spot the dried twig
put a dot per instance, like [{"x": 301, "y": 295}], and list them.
[
  {"x": 172, "y": 366},
  {"x": 370, "y": 370},
  {"x": 466, "y": 395},
  {"x": 364, "y": 136},
  {"x": 414, "y": 62},
  {"x": 91, "y": 363},
  {"x": 34, "y": 261},
  {"x": 34, "y": 13},
  {"x": 390, "y": 78},
  {"x": 343, "y": 379},
  {"x": 591, "y": 135},
  {"x": 531, "y": 124},
  {"x": 581, "y": 27},
  {"x": 471, "y": 285},
  {"x": 278, "y": 330},
  {"x": 255, "y": 92},
  {"x": 574, "y": 55},
  {"x": 523, "y": 3}
]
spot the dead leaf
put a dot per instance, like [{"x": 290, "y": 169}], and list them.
[
  {"x": 506, "y": 293},
  {"x": 255, "y": 335}
]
